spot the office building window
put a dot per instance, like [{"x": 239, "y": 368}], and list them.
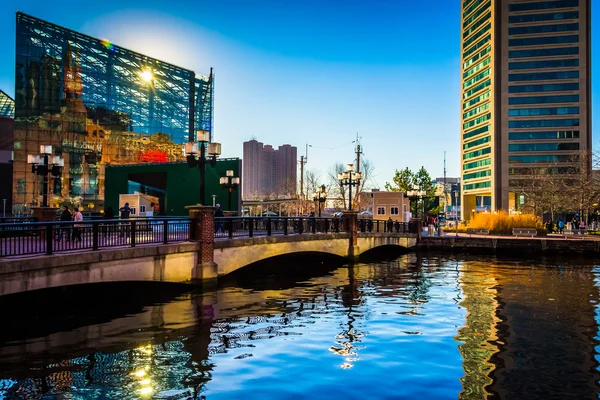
[
  {"x": 476, "y": 175},
  {"x": 530, "y": 30},
  {"x": 534, "y": 112},
  {"x": 481, "y": 185},
  {"x": 549, "y": 87},
  {"x": 561, "y": 51},
  {"x": 544, "y": 123},
  {"x": 569, "y": 98},
  {"x": 544, "y": 64},
  {"x": 557, "y": 16},
  {"x": 541, "y": 159},
  {"x": 543, "y": 135},
  {"x": 542, "y": 76},
  {"x": 476, "y": 132},
  {"x": 536, "y": 41},
  {"x": 477, "y": 164},
  {"x": 477, "y": 153},
  {"x": 543, "y": 5},
  {"x": 477, "y": 142},
  {"x": 543, "y": 147}
]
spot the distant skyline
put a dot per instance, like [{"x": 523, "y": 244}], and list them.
[{"x": 303, "y": 72}]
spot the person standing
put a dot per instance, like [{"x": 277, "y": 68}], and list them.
[
  {"x": 125, "y": 211},
  {"x": 582, "y": 227},
  {"x": 218, "y": 214},
  {"x": 77, "y": 218},
  {"x": 64, "y": 216}
]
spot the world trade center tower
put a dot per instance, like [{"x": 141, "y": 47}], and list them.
[{"x": 525, "y": 98}]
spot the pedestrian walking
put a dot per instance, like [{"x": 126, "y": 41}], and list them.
[
  {"x": 390, "y": 225},
  {"x": 78, "y": 218},
  {"x": 561, "y": 226},
  {"x": 64, "y": 216}
]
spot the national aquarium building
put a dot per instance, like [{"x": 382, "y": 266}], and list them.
[{"x": 96, "y": 104}]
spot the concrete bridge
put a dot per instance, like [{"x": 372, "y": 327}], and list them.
[{"x": 199, "y": 260}]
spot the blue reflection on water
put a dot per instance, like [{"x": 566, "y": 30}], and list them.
[{"x": 417, "y": 328}]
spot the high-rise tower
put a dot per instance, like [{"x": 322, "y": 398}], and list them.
[{"x": 525, "y": 99}]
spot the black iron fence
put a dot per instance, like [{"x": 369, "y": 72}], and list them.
[
  {"x": 30, "y": 238},
  {"x": 26, "y": 237},
  {"x": 231, "y": 227},
  {"x": 369, "y": 225}
]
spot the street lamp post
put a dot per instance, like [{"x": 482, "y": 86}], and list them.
[
  {"x": 350, "y": 178},
  {"x": 196, "y": 157},
  {"x": 320, "y": 196},
  {"x": 229, "y": 182},
  {"x": 43, "y": 165}
]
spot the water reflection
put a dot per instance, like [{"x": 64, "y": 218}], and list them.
[{"x": 415, "y": 327}]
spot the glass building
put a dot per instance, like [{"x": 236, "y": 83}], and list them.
[
  {"x": 525, "y": 95},
  {"x": 96, "y": 104}
]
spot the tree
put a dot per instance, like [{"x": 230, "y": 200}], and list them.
[{"x": 403, "y": 181}]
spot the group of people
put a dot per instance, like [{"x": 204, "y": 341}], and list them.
[
  {"x": 76, "y": 216},
  {"x": 73, "y": 232},
  {"x": 559, "y": 227}
]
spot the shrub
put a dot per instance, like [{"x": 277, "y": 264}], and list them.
[{"x": 502, "y": 223}]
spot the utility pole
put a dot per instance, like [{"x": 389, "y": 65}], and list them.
[
  {"x": 445, "y": 190},
  {"x": 358, "y": 153},
  {"x": 303, "y": 160}
]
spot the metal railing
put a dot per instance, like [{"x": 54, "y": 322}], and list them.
[
  {"x": 25, "y": 238},
  {"x": 369, "y": 225},
  {"x": 231, "y": 227},
  {"x": 20, "y": 239}
]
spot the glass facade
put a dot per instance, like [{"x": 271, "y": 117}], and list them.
[
  {"x": 477, "y": 85},
  {"x": 97, "y": 104},
  {"x": 525, "y": 92},
  {"x": 7, "y": 106}
]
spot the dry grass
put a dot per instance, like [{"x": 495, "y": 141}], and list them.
[{"x": 502, "y": 223}]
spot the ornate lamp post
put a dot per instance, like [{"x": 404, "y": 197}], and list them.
[
  {"x": 320, "y": 196},
  {"x": 229, "y": 182},
  {"x": 418, "y": 193},
  {"x": 44, "y": 164},
  {"x": 350, "y": 178},
  {"x": 199, "y": 159}
]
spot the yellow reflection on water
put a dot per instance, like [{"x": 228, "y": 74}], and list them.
[{"x": 477, "y": 281}]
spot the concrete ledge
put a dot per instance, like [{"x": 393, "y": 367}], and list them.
[
  {"x": 508, "y": 245},
  {"x": 258, "y": 240},
  {"x": 93, "y": 256}
]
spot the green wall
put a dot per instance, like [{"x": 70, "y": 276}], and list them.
[{"x": 183, "y": 184}]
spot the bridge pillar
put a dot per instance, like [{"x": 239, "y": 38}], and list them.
[
  {"x": 202, "y": 230},
  {"x": 351, "y": 218}
]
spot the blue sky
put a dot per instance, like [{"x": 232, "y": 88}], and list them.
[{"x": 302, "y": 72}]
